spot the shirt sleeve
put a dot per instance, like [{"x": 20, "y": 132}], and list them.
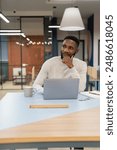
[
  {"x": 41, "y": 77},
  {"x": 81, "y": 74}
]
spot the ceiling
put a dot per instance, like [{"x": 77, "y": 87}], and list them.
[
  {"x": 34, "y": 26},
  {"x": 45, "y": 7}
]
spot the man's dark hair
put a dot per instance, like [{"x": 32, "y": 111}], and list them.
[{"x": 73, "y": 38}]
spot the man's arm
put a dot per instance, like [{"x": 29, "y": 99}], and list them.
[
  {"x": 79, "y": 71},
  {"x": 68, "y": 61},
  {"x": 83, "y": 75},
  {"x": 40, "y": 79}
]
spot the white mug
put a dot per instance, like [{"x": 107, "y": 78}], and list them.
[{"x": 28, "y": 91}]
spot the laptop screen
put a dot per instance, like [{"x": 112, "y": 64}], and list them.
[{"x": 61, "y": 88}]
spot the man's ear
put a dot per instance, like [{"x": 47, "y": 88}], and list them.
[{"x": 77, "y": 50}]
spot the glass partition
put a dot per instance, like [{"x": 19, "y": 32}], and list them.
[{"x": 22, "y": 55}]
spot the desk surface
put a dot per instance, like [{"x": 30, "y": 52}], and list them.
[{"x": 79, "y": 122}]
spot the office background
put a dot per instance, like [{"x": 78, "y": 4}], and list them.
[{"x": 21, "y": 58}]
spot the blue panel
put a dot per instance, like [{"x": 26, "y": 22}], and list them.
[{"x": 14, "y": 108}]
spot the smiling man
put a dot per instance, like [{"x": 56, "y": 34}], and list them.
[{"x": 64, "y": 66}]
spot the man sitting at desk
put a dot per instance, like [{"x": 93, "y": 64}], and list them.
[{"x": 64, "y": 66}]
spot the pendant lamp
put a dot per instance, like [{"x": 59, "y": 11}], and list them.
[{"x": 71, "y": 20}]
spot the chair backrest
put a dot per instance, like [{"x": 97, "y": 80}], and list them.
[
  {"x": 92, "y": 72},
  {"x": 33, "y": 73}
]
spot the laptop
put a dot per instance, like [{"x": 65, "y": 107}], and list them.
[{"x": 61, "y": 88}]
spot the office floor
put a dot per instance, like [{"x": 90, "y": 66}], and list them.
[
  {"x": 8, "y": 86},
  {"x": 11, "y": 85},
  {"x": 3, "y": 92}
]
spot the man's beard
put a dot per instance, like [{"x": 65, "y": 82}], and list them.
[{"x": 62, "y": 55}]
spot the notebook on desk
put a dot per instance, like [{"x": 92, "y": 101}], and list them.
[{"x": 61, "y": 88}]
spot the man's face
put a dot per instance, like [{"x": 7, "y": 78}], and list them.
[{"x": 69, "y": 48}]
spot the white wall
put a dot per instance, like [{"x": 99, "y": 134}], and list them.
[
  {"x": 33, "y": 26},
  {"x": 96, "y": 37}
]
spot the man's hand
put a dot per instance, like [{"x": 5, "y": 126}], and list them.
[{"x": 68, "y": 61}]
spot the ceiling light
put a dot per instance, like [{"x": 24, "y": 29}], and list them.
[
  {"x": 23, "y": 35},
  {"x": 24, "y": 65},
  {"x": 49, "y": 38},
  {"x": 11, "y": 34},
  {"x": 50, "y": 31},
  {"x": 28, "y": 39},
  {"x": 53, "y": 26},
  {"x": 71, "y": 20},
  {"x": 9, "y": 31},
  {"x": 4, "y": 18},
  {"x": 60, "y": 1}
]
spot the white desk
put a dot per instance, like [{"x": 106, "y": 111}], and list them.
[{"x": 47, "y": 127}]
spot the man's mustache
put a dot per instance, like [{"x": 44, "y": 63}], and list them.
[{"x": 65, "y": 54}]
